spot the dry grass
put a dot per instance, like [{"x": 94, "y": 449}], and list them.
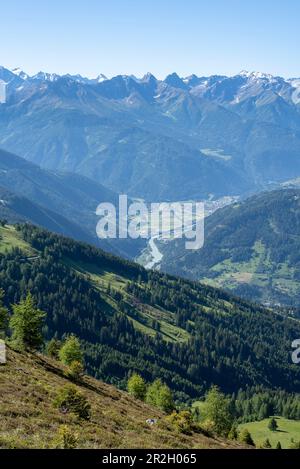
[{"x": 28, "y": 387}]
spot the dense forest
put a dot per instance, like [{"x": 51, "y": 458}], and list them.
[{"x": 106, "y": 301}]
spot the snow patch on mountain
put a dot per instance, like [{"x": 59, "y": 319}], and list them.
[
  {"x": 19, "y": 73},
  {"x": 296, "y": 93}
]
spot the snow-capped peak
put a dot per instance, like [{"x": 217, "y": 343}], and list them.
[
  {"x": 256, "y": 75},
  {"x": 100, "y": 78},
  {"x": 45, "y": 76},
  {"x": 17, "y": 71}
]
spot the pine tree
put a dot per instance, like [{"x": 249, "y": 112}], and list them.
[
  {"x": 53, "y": 347},
  {"x": 136, "y": 387},
  {"x": 233, "y": 434},
  {"x": 266, "y": 444},
  {"x": 71, "y": 351},
  {"x": 26, "y": 324},
  {"x": 278, "y": 446},
  {"x": 245, "y": 437},
  {"x": 3, "y": 315},
  {"x": 272, "y": 425}
]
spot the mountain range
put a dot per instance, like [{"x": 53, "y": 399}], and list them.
[
  {"x": 172, "y": 139},
  {"x": 59, "y": 201}
]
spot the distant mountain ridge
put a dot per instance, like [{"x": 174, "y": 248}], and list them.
[
  {"x": 172, "y": 139},
  {"x": 59, "y": 201},
  {"x": 173, "y": 79},
  {"x": 251, "y": 248}
]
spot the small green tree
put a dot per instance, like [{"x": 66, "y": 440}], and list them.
[
  {"x": 152, "y": 392},
  {"x": 136, "y": 387},
  {"x": 266, "y": 444},
  {"x": 71, "y": 351},
  {"x": 160, "y": 395},
  {"x": 26, "y": 324},
  {"x": 273, "y": 425},
  {"x": 278, "y": 446},
  {"x": 245, "y": 437},
  {"x": 69, "y": 399},
  {"x": 233, "y": 434},
  {"x": 65, "y": 438},
  {"x": 294, "y": 444},
  {"x": 76, "y": 370},
  {"x": 165, "y": 399},
  {"x": 3, "y": 315},
  {"x": 53, "y": 347},
  {"x": 216, "y": 411}
]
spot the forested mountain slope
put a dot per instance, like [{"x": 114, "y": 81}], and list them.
[
  {"x": 59, "y": 201},
  {"x": 128, "y": 318},
  {"x": 251, "y": 248}
]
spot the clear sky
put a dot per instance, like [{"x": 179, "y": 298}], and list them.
[{"x": 161, "y": 36}]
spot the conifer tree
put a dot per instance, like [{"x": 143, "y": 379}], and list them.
[
  {"x": 245, "y": 437},
  {"x": 136, "y": 387},
  {"x": 266, "y": 444},
  {"x": 26, "y": 324},
  {"x": 53, "y": 347},
  {"x": 71, "y": 351},
  {"x": 3, "y": 315},
  {"x": 272, "y": 425}
]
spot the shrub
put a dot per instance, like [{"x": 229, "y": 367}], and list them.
[
  {"x": 69, "y": 399},
  {"x": 182, "y": 422},
  {"x": 76, "y": 370},
  {"x": 65, "y": 438},
  {"x": 295, "y": 445}
]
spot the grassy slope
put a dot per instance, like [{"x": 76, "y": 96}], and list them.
[
  {"x": 9, "y": 239},
  {"x": 29, "y": 420},
  {"x": 287, "y": 429},
  {"x": 255, "y": 272},
  {"x": 101, "y": 279}
]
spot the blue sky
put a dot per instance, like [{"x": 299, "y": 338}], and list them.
[{"x": 134, "y": 37}]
